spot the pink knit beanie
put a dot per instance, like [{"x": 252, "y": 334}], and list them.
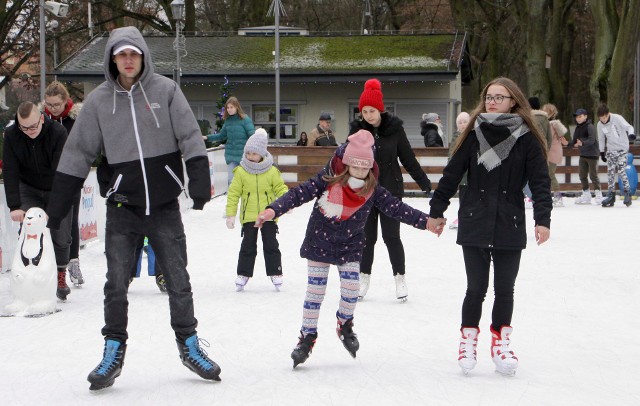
[{"x": 359, "y": 151}]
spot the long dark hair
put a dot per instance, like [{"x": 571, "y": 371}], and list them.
[{"x": 521, "y": 108}]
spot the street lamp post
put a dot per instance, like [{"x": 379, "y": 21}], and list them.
[
  {"x": 177, "y": 8},
  {"x": 43, "y": 55},
  {"x": 58, "y": 10},
  {"x": 275, "y": 9}
]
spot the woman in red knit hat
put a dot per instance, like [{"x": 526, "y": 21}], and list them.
[{"x": 391, "y": 144}]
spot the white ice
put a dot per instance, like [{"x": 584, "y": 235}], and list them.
[{"x": 575, "y": 326}]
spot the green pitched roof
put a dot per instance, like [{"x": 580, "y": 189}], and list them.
[{"x": 209, "y": 57}]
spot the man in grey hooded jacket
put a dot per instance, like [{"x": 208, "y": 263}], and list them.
[{"x": 142, "y": 122}]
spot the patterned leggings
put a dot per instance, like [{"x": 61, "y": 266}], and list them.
[
  {"x": 317, "y": 287},
  {"x": 616, "y": 162}
]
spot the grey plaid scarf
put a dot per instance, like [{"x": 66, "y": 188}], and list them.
[
  {"x": 256, "y": 168},
  {"x": 492, "y": 157}
]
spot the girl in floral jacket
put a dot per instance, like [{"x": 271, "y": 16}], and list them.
[
  {"x": 256, "y": 183},
  {"x": 345, "y": 193}
]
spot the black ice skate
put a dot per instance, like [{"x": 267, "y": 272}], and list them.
[
  {"x": 348, "y": 337},
  {"x": 62, "y": 290},
  {"x": 196, "y": 359},
  {"x": 609, "y": 200},
  {"x": 110, "y": 367},
  {"x": 627, "y": 199},
  {"x": 304, "y": 348}
]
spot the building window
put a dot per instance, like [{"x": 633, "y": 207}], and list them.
[{"x": 264, "y": 115}]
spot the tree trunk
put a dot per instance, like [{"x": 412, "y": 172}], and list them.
[
  {"x": 621, "y": 83},
  {"x": 535, "y": 22},
  {"x": 607, "y": 23},
  {"x": 561, "y": 35}
]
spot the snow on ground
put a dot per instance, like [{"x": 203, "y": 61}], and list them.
[{"x": 574, "y": 326}]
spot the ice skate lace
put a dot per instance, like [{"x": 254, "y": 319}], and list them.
[
  {"x": 109, "y": 361},
  {"x": 468, "y": 347},
  {"x": 503, "y": 349},
  {"x": 199, "y": 355}
]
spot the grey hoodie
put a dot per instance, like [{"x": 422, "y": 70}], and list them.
[{"x": 144, "y": 132}]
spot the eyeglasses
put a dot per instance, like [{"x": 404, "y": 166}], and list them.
[
  {"x": 54, "y": 105},
  {"x": 31, "y": 127},
  {"x": 498, "y": 99}
]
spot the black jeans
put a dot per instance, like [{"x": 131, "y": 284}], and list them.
[
  {"x": 391, "y": 237},
  {"x": 61, "y": 238},
  {"x": 125, "y": 228},
  {"x": 249, "y": 249},
  {"x": 506, "y": 264}
]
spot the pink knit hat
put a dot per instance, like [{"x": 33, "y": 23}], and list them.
[
  {"x": 359, "y": 151},
  {"x": 372, "y": 95}
]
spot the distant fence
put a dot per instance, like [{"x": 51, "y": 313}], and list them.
[{"x": 298, "y": 164}]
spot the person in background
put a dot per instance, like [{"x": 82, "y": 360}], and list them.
[
  {"x": 302, "y": 142},
  {"x": 461, "y": 123},
  {"x": 345, "y": 192},
  {"x": 143, "y": 123},
  {"x": 392, "y": 146},
  {"x": 501, "y": 151},
  {"x": 614, "y": 135},
  {"x": 322, "y": 135},
  {"x": 431, "y": 130},
  {"x": 558, "y": 140},
  {"x": 586, "y": 140},
  {"x": 235, "y": 132},
  {"x": 58, "y": 106},
  {"x": 153, "y": 268},
  {"x": 257, "y": 183},
  {"x": 31, "y": 154}
]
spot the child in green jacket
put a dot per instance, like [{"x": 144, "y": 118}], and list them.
[{"x": 256, "y": 183}]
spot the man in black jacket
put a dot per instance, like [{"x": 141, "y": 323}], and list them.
[{"x": 32, "y": 149}]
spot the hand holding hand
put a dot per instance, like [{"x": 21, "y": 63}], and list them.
[
  {"x": 231, "y": 222},
  {"x": 578, "y": 143},
  {"x": 266, "y": 215},
  {"x": 542, "y": 234},
  {"x": 436, "y": 225}
]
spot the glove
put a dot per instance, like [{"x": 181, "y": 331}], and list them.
[
  {"x": 266, "y": 215},
  {"x": 632, "y": 137},
  {"x": 231, "y": 221},
  {"x": 604, "y": 158}
]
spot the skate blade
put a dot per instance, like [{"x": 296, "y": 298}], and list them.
[
  {"x": 277, "y": 288},
  {"x": 239, "y": 288},
  {"x": 96, "y": 387},
  {"x": 465, "y": 371},
  {"x": 403, "y": 299},
  {"x": 506, "y": 372}
]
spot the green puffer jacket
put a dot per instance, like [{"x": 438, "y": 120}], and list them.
[
  {"x": 235, "y": 131},
  {"x": 255, "y": 192}
]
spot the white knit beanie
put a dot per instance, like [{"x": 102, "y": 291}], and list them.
[{"x": 257, "y": 142}]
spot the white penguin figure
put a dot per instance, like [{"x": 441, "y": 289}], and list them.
[{"x": 34, "y": 270}]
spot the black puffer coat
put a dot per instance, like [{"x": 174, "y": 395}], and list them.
[
  {"x": 391, "y": 144},
  {"x": 491, "y": 211}
]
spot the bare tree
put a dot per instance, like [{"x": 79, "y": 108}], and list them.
[{"x": 620, "y": 82}]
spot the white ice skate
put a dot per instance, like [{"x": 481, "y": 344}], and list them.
[
  {"x": 241, "y": 281},
  {"x": 365, "y": 280},
  {"x": 402, "y": 292},
  {"x": 505, "y": 360},
  {"x": 585, "y": 198},
  {"x": 277, "y": 281},
  {"x": 467, "y": 351},
  {"x": 598, "y": 198}
]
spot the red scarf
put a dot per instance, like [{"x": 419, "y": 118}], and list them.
[
  {"x": 65, "y": 113},
  {"x": 340, "y": 202}
]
